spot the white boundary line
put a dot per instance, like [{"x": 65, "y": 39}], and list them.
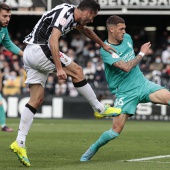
[
  {"x": 157, "y": 162},
  {"x": 147, "y": 158}
]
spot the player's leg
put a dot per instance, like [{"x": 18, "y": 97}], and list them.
[
  {"x": 127, "y": 101},
  {"x": 27, "y": 115},
  {"x": 152, "y": 92},
  {"x": 36, "y": 81},
  {"x": 83, "y": 87},
  {"x": 3, "y": 125},
  {"x": 113, "y": 133},
  {"x": 160, "y": 97},
  {"x": 2, "y": 112},
  {"x": 80, "y": 83},
  {"x": 26, "y": 120}
]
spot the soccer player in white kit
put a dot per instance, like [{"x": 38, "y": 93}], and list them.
[{"x": 42, "y": 56}]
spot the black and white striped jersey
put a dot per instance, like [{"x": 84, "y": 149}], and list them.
[{"x": 61, "y": 17}]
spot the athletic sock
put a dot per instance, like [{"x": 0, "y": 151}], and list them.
[
  {"x": 25, "y": 124},
  {"x": 87, "y": 92},
  {"x": 2, "y": 116},
  {"x": 104, "y": 138}
]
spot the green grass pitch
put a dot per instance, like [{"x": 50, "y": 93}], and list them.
[{"x": 58, "y": 145}]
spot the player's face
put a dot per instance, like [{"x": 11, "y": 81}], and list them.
[
  {"x": 4, "y": 18},
  {"x": 118, "y": 31},
  {"x": 87, "y": 17}
]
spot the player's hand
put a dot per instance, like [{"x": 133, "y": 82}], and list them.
[
  {"x": 61, "y": 74},
  {"x": 108, "y": 48},
  {"x": 145, "y": 47}
]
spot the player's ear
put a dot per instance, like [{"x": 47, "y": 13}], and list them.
[
  {"x": 111, "y": 29},
  {"x": 86, "y": 13}
]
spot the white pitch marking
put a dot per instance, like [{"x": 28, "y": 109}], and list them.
[
  {"x": 156, "y": 162},
  {"x": 148, "y": 158}
]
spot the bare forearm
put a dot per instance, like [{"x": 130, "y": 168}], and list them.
[
  {"x": 132, "y": 63},
  {"x": 92, "y": 35},
  {"x": 127, "y": 66},
  {"x": 20, "y": 53},
  {"x": 55, "y": 53}
]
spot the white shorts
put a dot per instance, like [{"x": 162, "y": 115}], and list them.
[{"x": 38, "y": 65}]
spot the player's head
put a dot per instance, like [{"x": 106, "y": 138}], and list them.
[
  {"x": 89, "y": 9},
  {"x": 116, "y": 27},
  {"x": 5, "y": 15}
]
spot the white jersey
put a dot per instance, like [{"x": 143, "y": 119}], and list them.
[{"x": 60, "y": 17}]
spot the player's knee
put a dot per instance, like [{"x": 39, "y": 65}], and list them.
[
  {"x": 117, "y": 128},
  {"x": 168, "y": 99},
  {"x": 40, "y": 100},
  {"x": 79, "y": 69},
  {"x": 169, "y": 102},
  {"x": 36, "y": 102},
  {"x": 78, "y": 73}
]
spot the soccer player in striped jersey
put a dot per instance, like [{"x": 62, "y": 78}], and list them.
[
  {"x": 42, "y": 56},
  {"x": 125, "y": 80},
  {"x": 5, "y": 15}
]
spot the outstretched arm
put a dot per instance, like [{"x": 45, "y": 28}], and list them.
[
  {"x": 20, "y": 53},
  {"x": 8, "y": 44},
  {"x": 91, "y": 34},
  {"x": 127, "y": 66}
]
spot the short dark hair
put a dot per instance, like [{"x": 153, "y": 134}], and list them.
[
  {"x": 4, "y": 7},
  {"x": 89, "y": 4},
  {"x": 114, "y": 20}
]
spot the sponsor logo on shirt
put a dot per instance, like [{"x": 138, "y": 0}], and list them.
[
  {"x": 114, "y": 55},
  {"x": 63, "y": 58},
  {"x": 63, "y": 21},
  {"x": 61, "y": 55},
  {"x": 129, "y": 56}
]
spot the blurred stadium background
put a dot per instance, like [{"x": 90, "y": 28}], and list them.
[{"x": 146, "y": 20}]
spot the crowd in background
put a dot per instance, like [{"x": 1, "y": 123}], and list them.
[{"x": 155, "y": 66}]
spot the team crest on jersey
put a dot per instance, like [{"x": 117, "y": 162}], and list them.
[
  {"x": 63, "y": 21},
  {"x": 129, "y": 44},
  {"x": 61, "y": 55},
  {"x": 114, "y": 55}
]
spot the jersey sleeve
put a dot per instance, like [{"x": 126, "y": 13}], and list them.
[
  {"x": 9, "y": 45},
  {"x": 60, "y": 20},
  {"x": 109, "y": 58}
]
